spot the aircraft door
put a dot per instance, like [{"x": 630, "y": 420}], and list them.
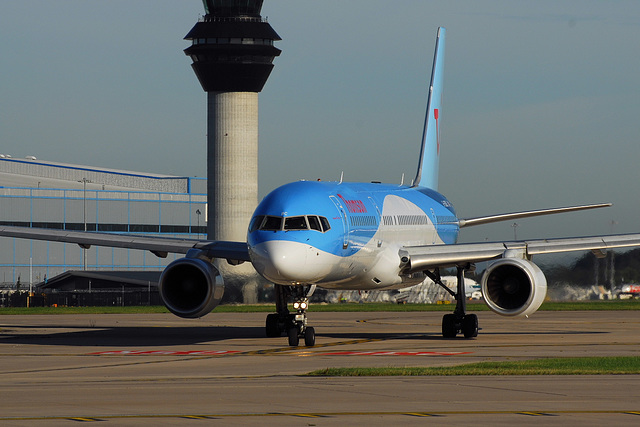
[{"x": 345, "y": 221}]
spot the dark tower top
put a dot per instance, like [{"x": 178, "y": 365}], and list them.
[
  {"x": 233, "y": 7},
  {"x": 232, "y": 46}
]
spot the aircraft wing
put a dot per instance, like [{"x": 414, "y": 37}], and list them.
[
  {"x": 160, "y": 246},
  {"x": 420, "y": 258},
  {"x": 468, "y": 222}
]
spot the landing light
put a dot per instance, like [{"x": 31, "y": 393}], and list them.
[{"x": 300, "y": 305}]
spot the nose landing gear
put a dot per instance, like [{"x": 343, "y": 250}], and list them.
[{"x": 293, "y": 324}]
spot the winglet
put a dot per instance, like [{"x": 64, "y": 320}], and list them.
[{"x": 427, "y": 175}]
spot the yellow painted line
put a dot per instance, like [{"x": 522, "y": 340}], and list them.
[
  {"x": 536, "y": 414},
  {"x": 308, "y": 415},
  {"x": 421, "y": 414}
]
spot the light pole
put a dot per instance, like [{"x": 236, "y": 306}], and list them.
[
  {"x": 198, "y": 213},
  {"x": 84, "y": 182}
]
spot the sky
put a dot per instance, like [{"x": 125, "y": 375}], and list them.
[{"x": 541, "y": 99}]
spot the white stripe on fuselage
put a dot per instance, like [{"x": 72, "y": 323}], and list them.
[{"x": 375, "y": 266}]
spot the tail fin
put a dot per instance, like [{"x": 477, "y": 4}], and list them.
[{"x": 427, "y": 175}]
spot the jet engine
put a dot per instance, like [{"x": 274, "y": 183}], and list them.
[
  {"x": 191, "y": 287},
  {"x": 514, "y": 287}
]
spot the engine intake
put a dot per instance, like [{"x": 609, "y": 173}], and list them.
[
  {"x": 514, "y": 287},
  {"x": 191, "y": 287}
]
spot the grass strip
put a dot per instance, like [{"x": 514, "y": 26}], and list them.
[
  {"x": 552, "y": 366},
  {"x": 472, "y": 306},
  {"x": 83, "y": 310}
]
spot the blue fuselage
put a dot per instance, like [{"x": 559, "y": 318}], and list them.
[{"x": 345, "y": 235}]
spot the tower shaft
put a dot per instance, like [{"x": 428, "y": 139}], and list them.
[{"x": 232, "y": 163}]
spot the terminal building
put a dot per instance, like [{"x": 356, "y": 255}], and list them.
[{"x": 36, "y": 193}]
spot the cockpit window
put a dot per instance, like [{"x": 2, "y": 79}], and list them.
[
  {"x": 272, "y": 223},
  {"x": 256, "y": 222},
  {"x": 314, "y": 223},
  {"x": 303, "y": 222},
  {"x": 295, "y": 223},
  {"x": 325, "y": 223}
]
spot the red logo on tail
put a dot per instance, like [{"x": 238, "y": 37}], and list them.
[{"x": 435, "y": 115}]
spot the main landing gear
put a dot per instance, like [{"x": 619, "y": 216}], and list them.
[
  {"x": 458, "y": 321},
  {"x": 293, "y": 324}
]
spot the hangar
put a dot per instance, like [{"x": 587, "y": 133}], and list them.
[{"x": 36, "y": 193}]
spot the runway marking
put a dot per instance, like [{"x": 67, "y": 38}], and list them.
[
  {"x": 316, "y": 415},
  {"x": 288, "y": 350},
  {"x": 198, "y": 417},
  {"x": 306, "y": 352},
  {"x": 421, "y": 414},
  {"x": 536, "y": 414},
  {"x": 298, "y": 351},
  {"x": 394, "y": 353},
  {"x": 164, "y": 353},
  {"x": 307, "y": 415}
]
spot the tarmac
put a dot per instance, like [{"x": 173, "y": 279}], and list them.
[{"x": 157, "y": 369}]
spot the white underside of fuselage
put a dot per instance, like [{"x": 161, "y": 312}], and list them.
[
  {"x": 300, "y": 264},
  {"x": 375, "y": 266}
]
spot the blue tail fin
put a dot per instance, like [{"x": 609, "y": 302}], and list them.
[{"x": 427, "y": 175}]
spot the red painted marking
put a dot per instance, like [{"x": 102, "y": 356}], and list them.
[
  {"x": 227, "y": 352},
  {"x": 161, "y": 353},
  {"x": 395, "y": 353},
  {"x": 354, "y": 206},
  {"x": 436, "y": 113}
]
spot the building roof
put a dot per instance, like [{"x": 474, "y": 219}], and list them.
[
  {"x": 31, "y": 172},
  {"x": 102, "y": 280}
]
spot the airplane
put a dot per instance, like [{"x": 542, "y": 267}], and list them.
[
  {"x": 629, "y": 291},
  {"x": 356, "y": 236},
  {"x": 425, "y": 293}
]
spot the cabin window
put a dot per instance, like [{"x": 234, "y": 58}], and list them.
[{"x": 364, "y": 221}]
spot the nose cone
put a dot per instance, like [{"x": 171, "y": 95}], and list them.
[{"x": 287, "y": 263}]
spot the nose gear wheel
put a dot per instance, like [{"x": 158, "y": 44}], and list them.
[{"x": 294, "y": 325}]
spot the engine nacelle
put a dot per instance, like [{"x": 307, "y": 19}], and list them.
[
  {"x": 514, "y": 287},
  {"x": 191, "y": 287}
]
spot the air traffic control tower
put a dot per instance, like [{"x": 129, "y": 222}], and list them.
[{"x": 232, "y": 52}]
